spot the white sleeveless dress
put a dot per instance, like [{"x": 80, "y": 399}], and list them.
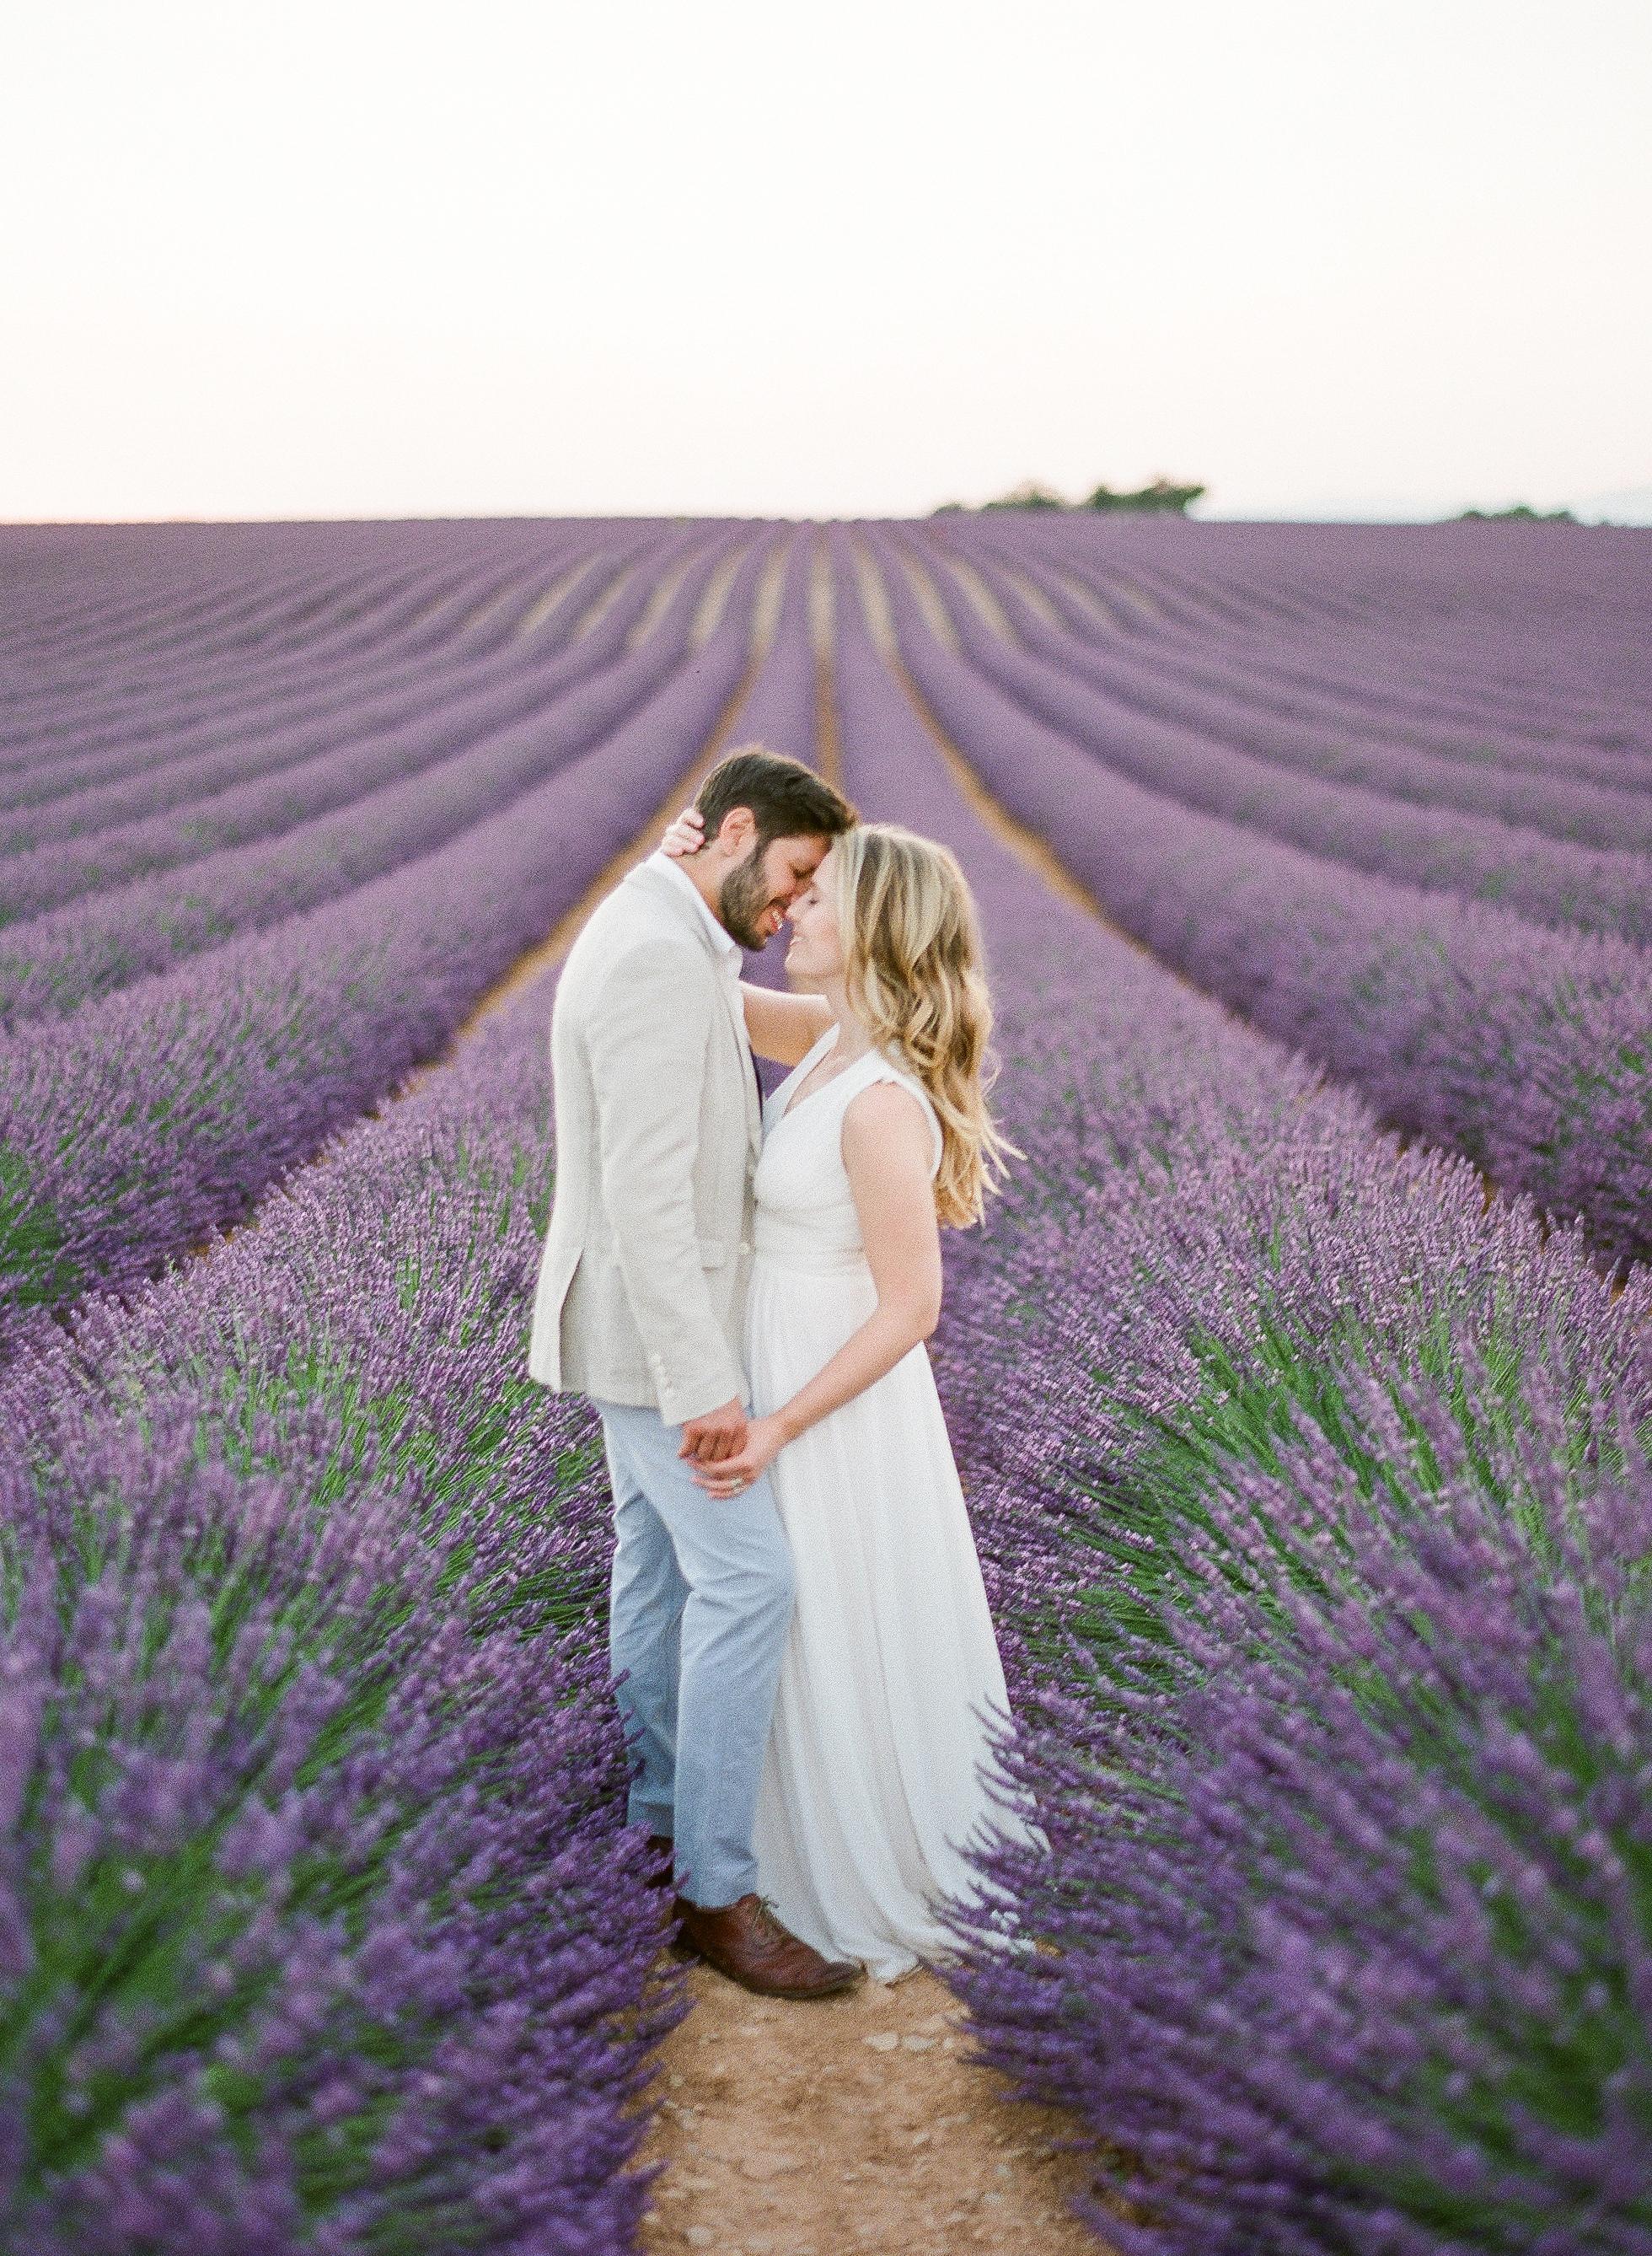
[{"x": 873, "y": 1772}]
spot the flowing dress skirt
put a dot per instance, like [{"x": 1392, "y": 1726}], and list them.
[{"x": 891, "y": 1688}]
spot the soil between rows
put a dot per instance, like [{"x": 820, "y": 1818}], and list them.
[
  {"x": 857, "y": 2125},
  {"x": 850, "y": 2126}
]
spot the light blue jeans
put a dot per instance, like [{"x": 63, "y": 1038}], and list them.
[{"x": 699, "y": 1610}]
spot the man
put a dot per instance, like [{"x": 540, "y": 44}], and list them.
[{"x": 640, "y": 1306}]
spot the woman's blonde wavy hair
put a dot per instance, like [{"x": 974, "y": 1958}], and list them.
[{"x": 912, "y": 974}]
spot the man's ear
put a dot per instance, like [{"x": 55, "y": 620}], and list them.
[{"x": 737, "y": 832}]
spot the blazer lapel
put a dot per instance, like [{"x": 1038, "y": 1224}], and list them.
[
  {"x": 747, "y": 1070},
  {"x": 665, "y": 891}
]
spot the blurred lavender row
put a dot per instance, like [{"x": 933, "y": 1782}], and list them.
[
  {"x": 99, "y": 714},
  {"x": 153, "y": 1114},
  {"x": 1194, "y": 757},
  {"x": 1314, "y": 1499},
  {"x": 1478, "y": 642},
  {"x": 389, "y": 798},
  {"x": 196, "y": 769},
  {"x": 1529, "y": 1049},
  {"x": 233, "y": 614},
  {"x": 319, "y": 1926},
  {"x": 1295, "y": 719}
]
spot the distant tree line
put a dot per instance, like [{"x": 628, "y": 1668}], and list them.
[
  {"x": 1166, "y": 497},
  {"x": 1163, "y": 495},
  {"x": 1523, "y": 512}
]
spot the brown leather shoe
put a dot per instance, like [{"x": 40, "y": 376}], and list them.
[{"x": 747, "y": 1942}]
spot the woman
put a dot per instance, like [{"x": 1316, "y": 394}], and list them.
[{"x": 878, "y": 1761}]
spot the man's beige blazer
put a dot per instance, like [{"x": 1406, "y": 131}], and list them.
[{"x": 642, "y": 1291}]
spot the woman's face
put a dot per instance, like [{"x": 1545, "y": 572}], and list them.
[{"x": 815, "y": 952}]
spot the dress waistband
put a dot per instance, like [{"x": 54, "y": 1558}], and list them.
[{"x": 798, "y": 1249}]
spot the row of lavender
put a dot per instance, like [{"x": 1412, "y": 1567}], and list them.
[
  {"x": 153, "y": 1113},
  {"x": 1269, "y": 774},
  {"x": 229, "y": 618},
  {"x": 1488, "y": 646},
  {"x": 320, "y": 1928},
  {"x": 84, "y": 826},
  {"x": 1305, "y": 702},
  {"x": 154, "y": 891},
  {"x": 1315, "y": 1500},
  {"x": 1527, "y": 1048}
]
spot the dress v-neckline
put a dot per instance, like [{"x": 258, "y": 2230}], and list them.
[{"x": 795, "y": 1103}]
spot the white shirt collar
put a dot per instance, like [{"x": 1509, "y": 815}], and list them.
[{"x": 726, "y": 941}]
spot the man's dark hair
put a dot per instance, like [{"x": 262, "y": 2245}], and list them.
[{"x": 787, "y": 799}]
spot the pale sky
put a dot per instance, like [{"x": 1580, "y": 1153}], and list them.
[{"x": 376, "y": 257}]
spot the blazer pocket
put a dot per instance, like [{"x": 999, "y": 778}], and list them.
[{"x": 713, "y": 1252}]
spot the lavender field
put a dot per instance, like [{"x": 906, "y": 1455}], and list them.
[{"x": 1301, "y": 1381}]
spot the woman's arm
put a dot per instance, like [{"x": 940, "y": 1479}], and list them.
[
  {"x": 886, "y": 1152},
  {"x": 784, "y": 1027},
  {"x": 781, "y": 1027}
]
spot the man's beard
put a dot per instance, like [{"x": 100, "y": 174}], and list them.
[{"x": 745, "y": 898}]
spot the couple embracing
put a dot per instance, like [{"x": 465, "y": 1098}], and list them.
[{"x": 807, "y": 1664}]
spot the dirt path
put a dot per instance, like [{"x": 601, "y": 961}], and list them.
[
  {"x": 853, "y": 2126},
  {"x": 858, "y": 2125},
  {"x": 1033, "y": 850}
]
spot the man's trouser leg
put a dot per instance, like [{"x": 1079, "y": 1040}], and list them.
[
  {"x": 701, "y": 1604},
  {"x": 646, "y": 1597}
]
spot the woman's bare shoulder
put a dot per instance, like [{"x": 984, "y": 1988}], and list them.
[{"x": 892, "y": 1110}]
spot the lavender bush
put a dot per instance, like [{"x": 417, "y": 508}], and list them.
[
  {"x": 1314, "y": 1499},
  {"x": 316, "y": 1930},
  {"x": 1347, "y": 1939},
  {"x": 303, "y": 1574}
]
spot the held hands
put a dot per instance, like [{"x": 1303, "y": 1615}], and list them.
[
  {"x": 728, "y": 1475},
  {"x": 719, "y": 1435},
  {"x": 686, "y": 834}
]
